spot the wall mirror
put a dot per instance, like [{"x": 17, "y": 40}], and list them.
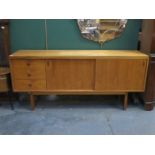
[{"x": 101, "y": 30}]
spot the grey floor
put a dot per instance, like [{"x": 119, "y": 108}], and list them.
[{"x": 76, "y": 115}]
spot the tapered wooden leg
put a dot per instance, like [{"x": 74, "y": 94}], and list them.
[
  {"x": 32, "y": 101},
  {"x": 125, "y": 101}
]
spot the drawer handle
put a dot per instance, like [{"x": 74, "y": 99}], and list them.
[
  {"x": 48, "y": 64},
  {"x": 30, "y": 85},
  {"x": 28, "y": 64},
  {"x": 28, "y": 74}
]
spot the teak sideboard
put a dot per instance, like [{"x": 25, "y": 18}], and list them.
[{"x": 78, "y": 72}]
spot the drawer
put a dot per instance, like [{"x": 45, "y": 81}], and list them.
[
  {"x": 27, "y": 63},
  {"x": 28, "y": 69},
  {"x": 29, "y": 85}
]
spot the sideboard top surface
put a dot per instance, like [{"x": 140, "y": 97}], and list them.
[{"x": 78, "y": 54}]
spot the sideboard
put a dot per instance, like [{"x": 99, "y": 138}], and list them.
[{"x": 39, "y": 72}]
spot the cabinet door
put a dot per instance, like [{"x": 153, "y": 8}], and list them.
[
  {"x": 70, "y": 75},
  {"x": 120, "y": 74}
]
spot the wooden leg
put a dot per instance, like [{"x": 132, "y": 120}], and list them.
[
  {"x": 32, "y": 101},
  {"x": 125, "y": 101}
]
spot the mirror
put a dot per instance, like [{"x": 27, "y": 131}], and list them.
[{"x": 101, "y": 30}]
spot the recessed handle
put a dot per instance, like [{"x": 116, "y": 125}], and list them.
[
  {"x": 30, "y": 85},
  {"x": 28, "y": 74},
  {"x": 48, "y": 63},
  {"x": 28, "y": 63}
]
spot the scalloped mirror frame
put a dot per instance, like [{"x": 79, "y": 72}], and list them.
[{"x": 101, "y": 30}]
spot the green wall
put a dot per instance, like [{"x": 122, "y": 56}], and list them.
[{"x": 64, "y": 34}]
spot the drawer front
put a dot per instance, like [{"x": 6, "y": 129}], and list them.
[
  {"x": 29, "y": 85},
  {"x": 28, "y": 63},
  {"x": 28, "y": 69}
]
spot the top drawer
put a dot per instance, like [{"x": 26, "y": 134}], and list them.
[{"x": 28, "y": 69}]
